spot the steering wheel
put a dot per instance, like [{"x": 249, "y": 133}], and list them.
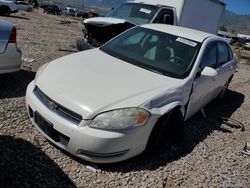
[{"x": 178, "y": 61}]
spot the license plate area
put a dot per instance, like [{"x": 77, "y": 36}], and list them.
[
  {"x": 48, "y": 129},
  {"x": 43, "y": 124}
]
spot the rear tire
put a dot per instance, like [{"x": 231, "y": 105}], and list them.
[
  {"x": 168, "y": 129},
  {"x": 4, "y": 11},
  {"x": 29, "y": 9}
]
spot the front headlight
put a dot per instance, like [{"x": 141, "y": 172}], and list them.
[
  {"x": 121, "y": 119},
  {"x": 40, "y": 70}
]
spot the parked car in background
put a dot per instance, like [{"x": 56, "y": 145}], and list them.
[
  {"x": 69, "y": 11},
  {"x": 7, "y": 7},
  {"x": 24, "y": 6},
  {"x": 131, "y": 93},
  {"x": 86, "y": 14},
  {"x": 10, "y": 55},
  {"x": 80, "y": 13},
  {"x": 52, "y": 9},
  {"x": 247, "y": 45}
]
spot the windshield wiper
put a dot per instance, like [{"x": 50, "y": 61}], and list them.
[
  {"x": 151, "y": 69},
  {"x": 109, "y": 53}
]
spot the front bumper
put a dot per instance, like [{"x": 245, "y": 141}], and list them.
[
  {"x": 94, "y": 145},
  {"x": 10, "y": 60}
]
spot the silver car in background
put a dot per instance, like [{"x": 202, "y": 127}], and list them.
[
  {"x": 24, "y": 6},
  {"x": 10, "y": 55}
]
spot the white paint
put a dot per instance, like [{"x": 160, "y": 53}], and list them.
[
  {"x": 92, "y": 82},
  {"x": 187, "y": 42},
  {"x": 104, "y": 21}
]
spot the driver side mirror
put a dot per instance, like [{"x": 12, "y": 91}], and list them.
[{"x": 209, "y": 72}]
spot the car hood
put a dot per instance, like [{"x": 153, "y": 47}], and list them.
[
  {"x": 5, "y": 31},
  {"x": 104, "y": 21},
  {"x": 92, "y": 81},
  {"x": 109, "y": 27}
]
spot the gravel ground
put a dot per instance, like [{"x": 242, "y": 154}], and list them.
[{"x": 210, "y": 156}]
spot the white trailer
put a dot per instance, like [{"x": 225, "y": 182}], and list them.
[{"x": 203, "y": 15}]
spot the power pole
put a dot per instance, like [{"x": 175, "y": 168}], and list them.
[{"x": 82, "y": 4}]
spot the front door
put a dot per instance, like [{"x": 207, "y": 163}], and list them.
[{"x": 204, "y": 88}]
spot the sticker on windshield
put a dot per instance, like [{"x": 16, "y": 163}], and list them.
[
  {"x": 145, "y": 10},
  {"x": 185, "y": 41}
]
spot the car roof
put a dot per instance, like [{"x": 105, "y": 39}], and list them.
[
  {"x": 164, "y": 2},
  {"x": 192, "y": 34},
  {"x": 151, "y": 2}
]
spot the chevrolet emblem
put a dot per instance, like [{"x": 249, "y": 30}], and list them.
[{"x": 53, "y": 106}]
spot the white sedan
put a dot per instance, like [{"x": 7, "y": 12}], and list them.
[
  {"x": 24, "y": 6},
  {"x": 10, "y": 55},
  {"x": 110, "y": 104}
]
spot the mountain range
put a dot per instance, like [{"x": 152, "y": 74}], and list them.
[{"x": 235, "y": 23}]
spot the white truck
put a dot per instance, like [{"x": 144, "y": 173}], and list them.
[
  {"x": 203, "y": 15},
  {"x": 7, "y": 7}
]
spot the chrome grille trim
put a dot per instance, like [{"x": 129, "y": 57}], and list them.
[{"x": 57, "y": 108}]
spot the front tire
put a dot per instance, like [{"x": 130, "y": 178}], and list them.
[{"x": 168, "y": 129}]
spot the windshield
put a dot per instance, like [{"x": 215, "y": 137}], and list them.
[
  {"x": 156, "y": 51},
  {"x": 135, "y": 13}
]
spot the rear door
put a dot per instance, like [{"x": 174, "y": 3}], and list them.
[{"x": 225, "y": 63}]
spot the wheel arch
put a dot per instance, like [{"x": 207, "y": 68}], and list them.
[
  {"x": 164, "y": 110},
  {"x": 6, "y": 10},
  {"x": 6, "y": 7},
  {"x": 159, "y": 129}
]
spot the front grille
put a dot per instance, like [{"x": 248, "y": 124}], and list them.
[
  {"x": 57, "y": 108},
  {"x": 63, "y": 139},
  {"x": 48, "y": 129}
]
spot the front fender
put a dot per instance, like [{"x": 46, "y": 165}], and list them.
[
  {"x": 167, "y": 101},
  {"x": 167, "y": 108}
]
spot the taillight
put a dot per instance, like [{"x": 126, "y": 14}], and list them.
[{"x": 13, "y": 36}]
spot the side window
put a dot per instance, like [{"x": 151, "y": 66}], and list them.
[
  {"x": 209, "y": 57},
  {"x": 222, "y": 53},
  {"x": 165, "y": 16}
]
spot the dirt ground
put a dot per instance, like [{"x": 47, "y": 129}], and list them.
[{"x": 210, "y": 157}]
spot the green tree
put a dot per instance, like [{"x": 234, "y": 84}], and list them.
[{"x": 223, "y": 28}]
